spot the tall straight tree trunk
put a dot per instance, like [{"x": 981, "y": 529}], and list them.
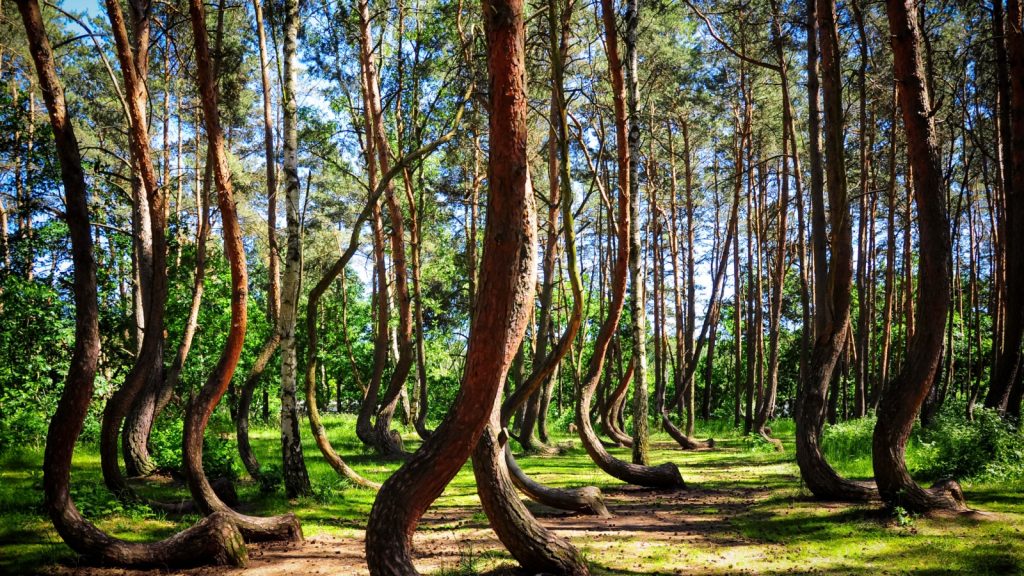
[
  {"x": 637, "y": 301},
  {"x": 832, "y": 277},
  {"x": 214, "y": 540},
  {"x": 203, "y": 404},
  {"x": 779, "y": 276},
  {"x": 296, "y": 478},
  {"x": 904, "y": 395},
  {"x": 1008, "y": 373},
  {"x": 890, "y": 261},
  {"x": 1003, "y": 188}
]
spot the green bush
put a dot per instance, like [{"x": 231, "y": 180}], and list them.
[
  {"x": 988, "y": 448},
  {"x": 219, "y": 454}
]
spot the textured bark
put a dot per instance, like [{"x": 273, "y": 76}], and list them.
[
  {"x": 214, "y": 540},
  {"x": 149, "y": 358},
  {"x": 139, "y": 420},
  {"x": 296, "y": 478},
  {"x": 252, "y": 465},
  {"x": 537, "y": 549},
  {"x": 202, "y": 406},
  {"x": 637, "y": 302},
  {"x": 507, "y": 279},
  {"x": 585, "y": 500},
  {"x": 1008, "y": 371},
  {"x": 832, "y": 278},
  {"x": 665, "y": 475},
  {"x": 903, "y": 397}
]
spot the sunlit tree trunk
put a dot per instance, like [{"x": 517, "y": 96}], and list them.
[
  {"x": 205, "y": 401},
  {"x": 296, "y": 478},
  {"x": 215, "y": 540},
  {"x": 508, "y": 274}
]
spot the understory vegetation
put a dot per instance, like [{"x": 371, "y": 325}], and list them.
[{"x": 744, "y": 510}]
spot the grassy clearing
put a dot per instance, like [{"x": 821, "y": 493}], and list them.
[{"x": 744, "y": 512}]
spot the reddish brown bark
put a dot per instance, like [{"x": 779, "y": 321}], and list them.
[
  {"x": 832, "y": 277},
  {"x": 903, "y": 397},
  {"x": 215, "y": 540},
  {"x": 665, "y": 475},
  {"x": 202, "y": 406},
  {"x": 507, "y": 277}
]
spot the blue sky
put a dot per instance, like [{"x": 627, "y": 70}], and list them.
[{"x": 92, "y": 7}]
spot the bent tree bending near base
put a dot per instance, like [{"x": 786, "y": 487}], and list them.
[
  {"x": 507, "y": 278},
  {"x": 665, "y": 475},
  {"x": 903, "y": 396},
  {"x": 201, "y": 408},
  {"x": 313, "y": 302},
  {"x": 215, "y": 539},
  {"x": 587, "y": 499},
  {"x": 833, "y": 277}
]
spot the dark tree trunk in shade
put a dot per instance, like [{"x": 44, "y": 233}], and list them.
[
  {"x": 903, "y": 396},
  {"x": 833, "y": 276},
  {"x": 1006, "y": 387}
]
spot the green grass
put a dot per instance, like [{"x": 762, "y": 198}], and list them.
[{"x": 746, "y": 511}]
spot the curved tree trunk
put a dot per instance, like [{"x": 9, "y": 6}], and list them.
[
  {"x": 139, "y": 418},
  {"x": 387, "y": 441},
  {"x": 535, "y": 548},
  {"x": 252, "y": 465},
  {"x": 507, "y": 278},
  {"x": 903, "y": 397},
  {"x": 149, "y": 359},
  {"x": 585, "y": 500},
  {"x": 215, "y": 540},
  {"x": 666, "y": 475},
  {"x": 202, "y": 406},
  {"x": 613, "y": 406},
  {"x": 832, "y": 278},
  {"x": 312, "y": 344}
]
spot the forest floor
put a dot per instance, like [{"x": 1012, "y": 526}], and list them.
[{"x": 744, "y": 511}]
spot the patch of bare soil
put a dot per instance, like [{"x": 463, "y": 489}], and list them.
[{"x": 643, "y": 518}]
